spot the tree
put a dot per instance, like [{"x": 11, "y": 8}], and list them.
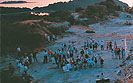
[
  {"x": 96, "y": 11},
  {"x": 62, "y": 15},
  {"x": 131, "y": 10}
]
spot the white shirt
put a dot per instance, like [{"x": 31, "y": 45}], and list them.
[{"x": 18, "y": 49}]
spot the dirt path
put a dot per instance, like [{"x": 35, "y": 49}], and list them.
[{"x": 47, "y": 73}]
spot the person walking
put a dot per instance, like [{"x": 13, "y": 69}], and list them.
[
  {"x": 45, "y": 53},
  {"x": 124, "y": 55},
  {"x": 96, "y": 61},
  {"x": 107, "y": 46},
  {"x": 82, "y": 52},
  {"x": 113, "y": 53},
  {"x": 34, "y": 56},
  {"x": 101, "y": 61},
  {"x": 48, "y": 38},
  {"x": 53, "y": 37},
  {"x": 11, "y": 69},
  {"x": 56, "y": 59},
  {"x": 49, "y": 55},
  {"x": 18, "y": 52},
  {"x": 102, "y": 45},
  {"x": 119, "y": 53},
  {"x": 110, "y": 45},
  {"x": 30, "y": 57}
]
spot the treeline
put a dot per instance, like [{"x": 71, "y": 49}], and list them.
[
  {"x": 98, "y": 12},
  {"x": 8, "y": 10},
  {"x": 70, "y": 6}
]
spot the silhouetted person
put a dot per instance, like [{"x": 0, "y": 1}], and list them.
[{"x": 34, "y": 57}]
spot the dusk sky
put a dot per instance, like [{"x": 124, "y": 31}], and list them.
[{"x": 41, "y": 3}]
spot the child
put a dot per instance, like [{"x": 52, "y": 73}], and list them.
[{"x": 113, "y": 53}]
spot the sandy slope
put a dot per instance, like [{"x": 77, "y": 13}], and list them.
[{"x": 109, "y": 31}]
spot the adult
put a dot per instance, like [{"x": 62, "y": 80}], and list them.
[
  {"x": 123, "y": 54},
  {"x": 113, "y": 53},
  {"x": 48, "y": 38},
  {"x": 96, "y": 61},
  {"x": 102, "y": 45},
  {"x": 18, "y": 51},
  {"x": 25, "y": 68},
  {"x": 49, "y": 55},
  {"x": 82, "y": 52},
  {"x": 107, "y": 46},
  {"x": 30, "y": 57},
  {"x": 45, "y": 53},
  {"x": 110, "y": 45},
  {"x": 101, "y": 61},
  {"x": 11, "y": 69},
  {"x": 34, "y": 56},
  {"x": 53, "y": 37},
  {"x": 56, "y": 59}
]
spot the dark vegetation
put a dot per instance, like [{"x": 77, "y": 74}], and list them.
[
  {"x": 78, "y": 9},
  {"x": 70, "y": 6},
  {"x": 10, "y": 10},
  {"x": 61, "y": 16},
  {"x": 130, "y": 10},
  {"x": 8, "y": 77},
  {"x": 27, "y": 36},
  {"x": 128, "y": 23},
  {"x": 98, "y": 12},
  {"x": 88, "y": 31},
  {"x": 15, "y": 34}
]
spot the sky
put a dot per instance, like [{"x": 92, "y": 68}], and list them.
[
  {"x": 39, "y": 3},
  {"x": 129, "y": 2},
  {"x": 42, "y": 3}
]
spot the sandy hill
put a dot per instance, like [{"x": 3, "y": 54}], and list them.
[{"x": 77, "y": 3}]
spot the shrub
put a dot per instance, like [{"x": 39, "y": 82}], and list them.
[
  {"x": 88, "y": 31},
  {"x": 78, "y": 9},
  {"x": 128, "y": 23}
]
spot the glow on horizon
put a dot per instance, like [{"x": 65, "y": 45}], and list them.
[
  {"x": 129, "y": 2},
  {"x": 38, "y": 3}
]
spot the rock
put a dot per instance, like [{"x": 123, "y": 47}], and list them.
[
  {"x": 35, "y": 71},
  {"x": 97, "y": 75},
  {"x": 105, "y": 80},
  {"x": 128, "y": 23}
]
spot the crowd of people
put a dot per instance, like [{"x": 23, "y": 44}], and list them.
[{"x": 68, "y": 57}]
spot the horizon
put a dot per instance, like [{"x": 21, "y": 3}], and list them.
[{"x": 43, "y": 3}]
